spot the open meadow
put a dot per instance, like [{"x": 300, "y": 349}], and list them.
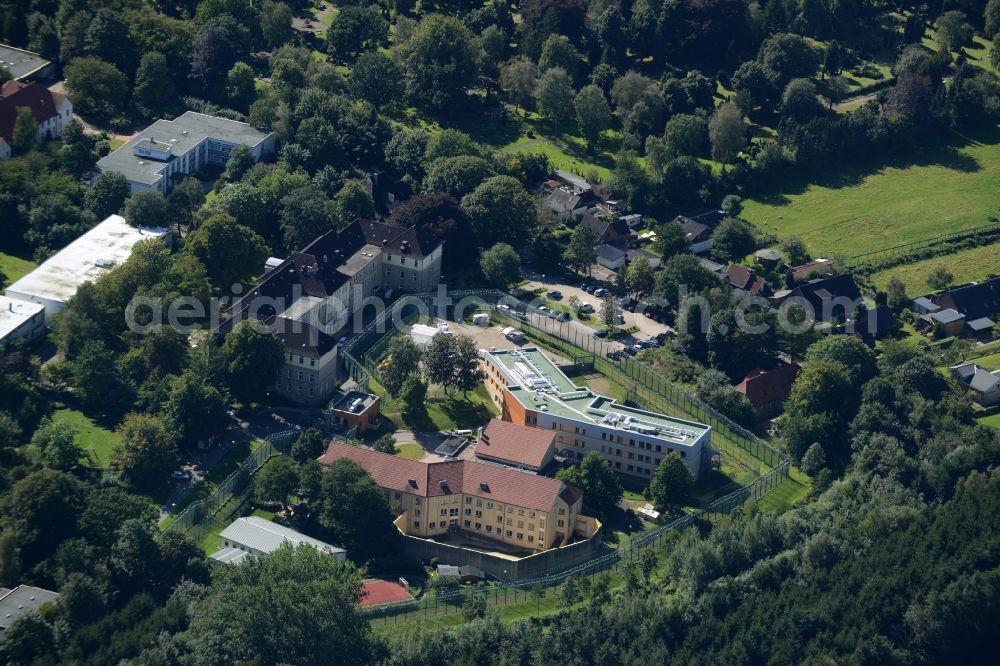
[{"x": 935, "y": 190}]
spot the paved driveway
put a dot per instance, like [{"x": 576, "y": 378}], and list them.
[{"x": 647, "y": 327}]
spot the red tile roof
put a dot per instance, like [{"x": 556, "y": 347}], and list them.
[
  {"x": 743, "y": 278},
  {"x": 765, "y": 386},
  {"x": 44, "y": 104},
  {"x": 469, "y": 477},
  {"x": 515, "y": 444}
]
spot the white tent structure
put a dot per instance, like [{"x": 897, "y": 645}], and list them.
[{"x": 422, "y": 335}]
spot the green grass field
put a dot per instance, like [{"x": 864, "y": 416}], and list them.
[
  {"x": 992, "y": 421},
  {"x": 410, "y": 450},
  {"x": 860, "y": 208},
  {"x": 967, "y": 265},
  {"x": 443, "y": 412},
  {"x": 14, "y": 268},
  {"x": 991, "y": 362},
  {"x": 98, "y": 441}
]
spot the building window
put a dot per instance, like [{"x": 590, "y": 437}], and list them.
[
  {"x": 432, "y": 525},
  {"x": 562, "y": 512},
  {"x": 416, "y": 512},
  {"x": 509, "y": 533},
  {"x": 388, "y": 272},
  {"x": 520, "y": 524},
  {"x": 395, "y": 495},
  {"x": 468, "y": 512},
  {"x": 312, "y": 363},
  {"x": 531, "y": 539},
  {"x": 466, "y": 523},
  {"x": 479, "y": 514},
  {"x": 416, "y": 523},
  {"x": 468, "y": 500},
  {"x": 561, "y": 523},
  {"x": 301, "y": 360},
  {"x": 489, "y": 528},
  {"x": 520, "y": 536},
  {"x": 300, "y": 375},
  {"x": 444, "y": 512}
]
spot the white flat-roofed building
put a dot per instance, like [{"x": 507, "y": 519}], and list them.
[
  {"x": 530, "y": 390},
  {"x": 87, "y": 258},
  {"x": 170, "y": 149},
  {"x": 20, "y": 320},
  {"x": 256, "y": 536}
]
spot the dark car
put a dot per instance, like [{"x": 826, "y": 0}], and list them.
[
  {"x": 554, "y": 295},
  {"x": 600, "y": 333}
]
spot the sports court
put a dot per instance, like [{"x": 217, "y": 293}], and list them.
[{"x": 378, "y": 592}]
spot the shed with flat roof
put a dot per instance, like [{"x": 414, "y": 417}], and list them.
[{"x": 256, "y": 536}]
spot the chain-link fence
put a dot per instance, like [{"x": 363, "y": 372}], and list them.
[
  {"x": 199, "y": 518},
  {"x": 505, "y": 593}
]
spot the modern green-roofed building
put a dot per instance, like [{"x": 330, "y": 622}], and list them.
[{"x": 532, "y": 391}]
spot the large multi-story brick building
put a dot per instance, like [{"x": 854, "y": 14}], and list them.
[
  {"x": 487, "y": 501},
  {"x": 311, "y": 298},
  {"x": 531, "y": 390}
]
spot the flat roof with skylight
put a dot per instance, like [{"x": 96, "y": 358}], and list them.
[
  {"x": 538, "y": 385},
  {"x": 90, "y": 256},
  {"x": 146, "y": 155}
]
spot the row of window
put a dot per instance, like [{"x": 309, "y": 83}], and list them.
[
  {"x": 312, "y": 377},
  {"x": 290, "y": 386},
  {"x": 301, "y": 361},
  {"x": 402, "y": 274},
  {"x": 510, "y": 533}
]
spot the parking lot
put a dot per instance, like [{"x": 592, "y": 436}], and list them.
[{"x": 648, "y": 328}]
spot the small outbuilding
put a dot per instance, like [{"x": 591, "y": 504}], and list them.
[
  {"x": 423, "y": 335},
  {"x": 253, "y": 535}
]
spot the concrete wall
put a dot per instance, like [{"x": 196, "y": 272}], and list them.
[{"x": 539, "y": 564}]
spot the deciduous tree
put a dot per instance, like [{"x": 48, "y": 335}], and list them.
[
  {"x": 146, "y": 452},
  {"x": 501, "y": 265},
  {"x": 252, "y": 355},
  {"x": 671, "y": 484},
  {"x": 601, "y": 487}
]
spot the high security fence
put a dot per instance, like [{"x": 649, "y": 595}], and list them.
[
  {"x": 201, "y": 517},
  {"x": 645, "y": 384},
  {"x": 768, "y": 465},
  {"x": 510, "y": 592}
]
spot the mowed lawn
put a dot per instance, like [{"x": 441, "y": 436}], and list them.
[
  {"x": 934, "y": 191},
  {"x": 99, "y": 442},
  {"x": 967, "y": 265},
  {"x": 14, "y": 268}
]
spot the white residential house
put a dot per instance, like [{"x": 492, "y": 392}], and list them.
[{"x": 52, "y": 112}]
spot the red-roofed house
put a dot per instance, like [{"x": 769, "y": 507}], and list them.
[
  {"x": 767, "y": 390},
  {"x": 488, "y": 501},
  {"x": 745, "y": 279},
  {"x": 52, "y": 112},
  {"x": 516, "y": 445}
]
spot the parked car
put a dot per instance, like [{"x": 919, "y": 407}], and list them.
[
  {"x": 589, "y": 288},
  {"x": 585, "y": 307},
  {"x": 600, "y": 292},
  {"x": 600, "y": 333},
  {"x": 544, "y": 310},
  {"x": 563, "y": 316},
  {"x": 554, "y": 294},
  {"x": 181, "y": 475}
]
